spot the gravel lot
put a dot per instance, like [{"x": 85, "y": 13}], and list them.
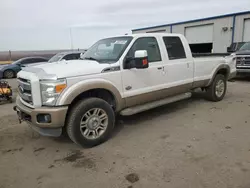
[{"x": 192, "y": 143}]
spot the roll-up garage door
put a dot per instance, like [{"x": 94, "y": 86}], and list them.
[
  {"x": 246, "y": 32},
  {"x": 199, "y": 34}
]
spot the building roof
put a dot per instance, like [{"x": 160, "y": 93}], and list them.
[{"x": 195, "y": 20}]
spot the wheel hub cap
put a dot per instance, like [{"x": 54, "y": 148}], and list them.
[
  {"x": 94, "y": 123},
  {"x": 219, "y": 88}
]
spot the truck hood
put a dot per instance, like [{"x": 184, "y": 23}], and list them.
[
  {"x": 69, "y": 68},
  {"x": 246, "y": 52}
]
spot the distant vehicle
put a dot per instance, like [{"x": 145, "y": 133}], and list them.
[
  {"x": 11, "y": 70},
  {"x": 63, "y": 56},
  {"x": 243, "y": 60},
  {"x": 235, "y": 46}
]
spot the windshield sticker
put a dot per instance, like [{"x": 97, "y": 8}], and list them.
[{"x": 120, "y": 42}]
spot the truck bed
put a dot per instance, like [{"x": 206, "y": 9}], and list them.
[{"x": 209, "y": 54}]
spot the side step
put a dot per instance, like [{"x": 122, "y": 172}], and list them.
[{"x": 150, "y": 105}]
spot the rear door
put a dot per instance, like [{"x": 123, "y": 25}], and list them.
[
  {"x": 179, "y": 66},
  {"x": 141, "y": 85}
]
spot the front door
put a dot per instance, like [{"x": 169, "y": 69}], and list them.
[{"x": 141, "y": 85}]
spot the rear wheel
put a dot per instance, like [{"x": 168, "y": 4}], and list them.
[
  {"x": 217, "y": 90},
  {"x": 90, "y": 122},
  {"x": 9, "y": 74}
]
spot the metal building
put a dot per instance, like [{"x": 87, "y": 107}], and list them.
[{"x": 213, "y": 34}]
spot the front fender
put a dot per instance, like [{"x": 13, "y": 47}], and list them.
[{"x": 78, "y": 88}]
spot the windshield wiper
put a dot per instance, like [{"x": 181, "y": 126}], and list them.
[{"x": 91, "y": 58}]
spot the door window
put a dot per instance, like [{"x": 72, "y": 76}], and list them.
[
  {"x": 150, "y": 45},
  {"x": 27, "y": 61},
  {"x": 174, "y": 48}
]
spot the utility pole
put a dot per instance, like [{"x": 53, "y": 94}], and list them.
[
  {"x": 9, "y": 55},
  {"x": 71, "y": 39}
]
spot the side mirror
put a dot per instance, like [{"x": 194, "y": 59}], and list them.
[
  {"x": 230, "y": 50},
  {"x": 20, "y": 65},
  {"x": 141, "y": 59},
  {"x": 81, "y": 56}
]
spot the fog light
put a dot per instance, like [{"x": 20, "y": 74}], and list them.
[{"x": 43, "y": 118}]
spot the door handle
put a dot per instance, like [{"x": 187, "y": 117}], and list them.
[{"x": 159, "y": 68}]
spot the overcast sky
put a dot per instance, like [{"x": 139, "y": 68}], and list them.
[{"x": 46, "y": 24}]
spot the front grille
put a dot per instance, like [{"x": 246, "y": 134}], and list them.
[
  {"x": 24, "y": 90},
  {"x": 243, "y": 60}
]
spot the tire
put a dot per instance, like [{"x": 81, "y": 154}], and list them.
[
  {"x": 81, "y": 113},
  {"x": 9, "y": 74},
  {"x": 214, "y": 94}
]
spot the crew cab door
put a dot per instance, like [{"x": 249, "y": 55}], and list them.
[
  {"x": 140, "y": 85},
  {"x": 179, "y": 65}
]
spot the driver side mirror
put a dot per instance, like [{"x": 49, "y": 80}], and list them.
[
  {"x": 20, "y": 65},
  {"x": 230, "y": 50},
  {"x": 81, "y": 56},
  {"x": 140, "y": 60}
]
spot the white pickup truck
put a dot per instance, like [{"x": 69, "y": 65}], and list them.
[{"x": 125, "y": 74}]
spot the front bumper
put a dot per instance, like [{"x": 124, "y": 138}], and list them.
[
  {"x": 30, "y": 115},
  {"x": 232, "y": 75},
  {"x": 243, "y": 70}
]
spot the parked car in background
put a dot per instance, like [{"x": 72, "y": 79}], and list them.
[
  {"x": 243, "y": 60},
  {"x": 72, "y": 55},
  {"x": 235, "y": 47},
  {"x": 10, "y": 70}
]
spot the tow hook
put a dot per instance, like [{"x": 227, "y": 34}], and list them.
[
  {"x": 15, "y": 108},
  {"x": 18, "y": 114}
]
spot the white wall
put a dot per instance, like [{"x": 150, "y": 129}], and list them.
[
  {"x": 221, "y": 39},
  {"x": 239, "y": 26},
  {"x": 167, "y": 29}
]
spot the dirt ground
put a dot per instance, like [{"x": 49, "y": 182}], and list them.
[{"x": 189, "y": 144}]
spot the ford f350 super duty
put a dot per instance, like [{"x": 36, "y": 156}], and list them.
[{"x": 119, "y": 75}]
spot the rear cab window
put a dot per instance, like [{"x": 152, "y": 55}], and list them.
[{"x": 174, "y": 47}]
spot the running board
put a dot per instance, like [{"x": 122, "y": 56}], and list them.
[{"x": 147, "y": 106}]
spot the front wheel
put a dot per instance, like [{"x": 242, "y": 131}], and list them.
[
  {"x": 90, "y": 122},
  {"x": 9, "y": 74},
  {"x": 217, "y": 90}
]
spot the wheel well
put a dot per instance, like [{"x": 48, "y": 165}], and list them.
[
  {"x": 98, "y": 93},
  {"x": 224, "y": 72}
]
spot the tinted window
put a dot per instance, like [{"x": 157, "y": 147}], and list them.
[
  {"x": 71, "y": 56},
  {"x": 150, "y": 45},
  {"x": 26, "y": 61},
  {"x": 174, "y": 47},
  {"x": 36, "y": 60}
]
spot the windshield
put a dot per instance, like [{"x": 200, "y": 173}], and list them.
[
  {"x": 107, "y": 50},
  {"x": 55, "y": 58},
  {"x": 246, "y": 46}
]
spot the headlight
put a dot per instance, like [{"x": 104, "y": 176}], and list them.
[{"x": 51, "y": 90}]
